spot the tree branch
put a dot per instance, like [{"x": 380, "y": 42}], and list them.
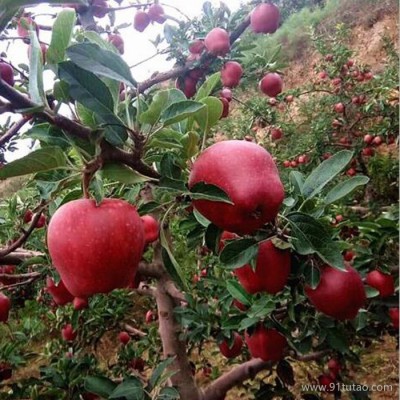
[
  {"x": 13, "y": 131},
  {"x": 18, "y": 256}
]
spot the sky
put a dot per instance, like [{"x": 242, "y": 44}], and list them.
[{"x": 138, "y": 45}]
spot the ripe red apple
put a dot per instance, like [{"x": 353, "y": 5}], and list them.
[
  {"x": 5, "y": 371},
  {"x": 59, "y": 293},
  {"x": 350, "y": 63},
  {"x": 240, "y": 306},
  {"x": 384, "y": 283},
  {"x": 368, "y": 152},
  {"x": 217, "y": 42},
  {"x": 235, "y": 349},
  {"x": 368, "y": 76},
  {"x": 156, "y": 14},
  {"x": 196, "y": 73},
  {"x": 41, "y": 221},
  {"x": 225, "y": 107},
  {"x": 68, "y": 333},
  {"x": 151, "y": 316},
  {"x": 286, "y": 164},
  {"x": 339, "y": 294},
  {"x": 255, "y": 188},
  {"x": 267, "y": 344},
  {"x": 394, "y": 316},
  {"x": 302, "y": 159},
  {"x": 336, "y": 81},
  {"x": 117, "y": 41},
  {"x": 96, "y": 248},
  {"x": 6, "y": 73},
  {"x": 289, "y": 98},
  {"x": 124, "y": 337},
  {"x": 151, "y": 228},
  {"x": 327, "y": 382},
  {"x": 197, "y": 47},
  {"x": 23, "y": 26},
  {"x": 329, "y": 57},
  {"x": 80, "y": 303},
  {"x": 265, "y": 18},
  {"x": 28, "y": 216},
  {"x": 351, "y": 172},
  {"x": 339, "y": 108},
  {"x": 187, "y": 85},
  {"x": 226, "y": 93},
  {"x": 231, "y": 73},
  {"x": 100, "y": 8},
  {"x": 271, "y": 273},
  {"x": 334, "y": 367},
  {"x": 377, "y": 141},
  {"x": 322, "y": 75},
  {"x": 271, "y": 84},
  {"x": 141, "y": 21},
  {"x": 339, "y": 218},
  {"x": 293, "y": 164},
  {"x": 5, "y": 305},
  {"x": 137, "y": 363},
  {"x": 276, "y": 133},
  {"x": 348, "y": 255}
]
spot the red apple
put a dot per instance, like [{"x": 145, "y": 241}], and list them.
[
  {"x": 137, "y": 363},
  {"x": 217, "y": 42},
  {"x": 334, "y": 367},
  {"x": 327, "y": 383},
  {"x": 100, "y": 8},
  {"x": 235, "y": 349},
  {"x": 322, "y": 75},
  {"x": 225, "y": 107},
  {"x": 96, "y": 248},
  {"x": 350, "y": 63},
  {"x": 151, "y": 228},
  {"x": 156, "y": 14},
  {"x": 187, "y": 85},
  {"x": 231, "y": 73},
  {"x": 80, "y": 303},
  {"x": 6, "y": 73},
  {"x": 271, "y": 84},
  {"x": 336, "y": 81},
  {"x": 276, "y": 133},
  {"x": 240, "y": 306},
  {"x": 59, "y": 293},
  {"x": 377, "y": 141},
  {"x": 265, "y": 18},
  {"x": 150, "y": 317},
  {"x": 351, "y": 172},
  {"x": 196, "y": 73},
  {"x": 329, "y": 57},
  {"x": 5, "y": 371},
  {"x": 124, "y": 337},
  {"x": 226, "y": 93},
  {"x": 267, "y": 344},
  {"x": 141, "y": 21},
  {"x": 257, "y": 197},
  {"x": 339, "y": 294},
  {"x": 289, "y": 98},
  {"x": 117, "y": 41},
  {"x": 68, "y": 333},
  {"x": 339, "y": 218},
  {"x": 28, "y": 216},
  {"x": 23, "y": 26},
  {"x": 271, "y": 273},
  {"x": 368, "y": 152},
  {"x": 368, "y": 76},
  {"x": 293, "y": 164},
  {"x": 286, "y": 163},
  {"x": 339, "y": 108},
  {"x": 348, "y": 255},
  {"x": 368, "y": 139},
  {"x": 197, "y": 47},
  {"x": 384, "y": 283},
  {"x": 394, "y": 316},
  {"x": 41, "y": 221},
  {"x": 5, "y": 305},
  {"x": 302, "y": 159}
]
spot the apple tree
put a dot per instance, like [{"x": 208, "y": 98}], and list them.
[{"x": 129, "y": 203}]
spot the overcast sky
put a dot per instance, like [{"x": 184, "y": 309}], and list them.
[{"x": 137, "y": 45}]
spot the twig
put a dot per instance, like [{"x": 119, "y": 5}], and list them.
[
  {"x": 30, "y": 280},
  {"x": 134, "y": 331},
  {"x": 13, "y": 130},
  {"x": 18, "y": 256}
]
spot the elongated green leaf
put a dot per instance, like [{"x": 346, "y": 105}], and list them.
[
  {"x": 344, "y": 188},
  {"x": 61, "y": 35},
  {"x": 208, "y": 117},
  {"x": 95, "y": 38},
  {"x": 238, "y": 253},
  {"x": 122, "y": 173},
  {"x": 91, "y": 57},
  {"x": 208, "y": 86},
  {"x": 156, "y": 376},
  {"x": 237, "y": 291},
  {"x": 92, "y": 93},
  {"x": 100, "y": 385},
  {"x": 204, "y": 191},
  {"x": 36, "y": 89},
  {"x": 179, "y": 111},
  {"x": 310, "y": 236},
  {"x": 297, "y": 180},
  {"x": 325, "y": 172},
  {"x": 130, "y": 389},
  {"x": 45, "y": 159}
]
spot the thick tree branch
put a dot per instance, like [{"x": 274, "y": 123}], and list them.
[
  {"x": 19, "y": 256},
  {"x": 248, "y": 370}
]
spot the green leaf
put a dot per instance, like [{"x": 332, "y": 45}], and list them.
[
  {"x": 95, "y": 38},
  {"x": 122, "y": 173},
  {"x": 325, "y": 172},
  {"x": 190, "y": 143},
  {"x": 45, "y": 159},
  {"x": 203, "y": 221},
  {"x": 179, "y": 111},
  {"x": 86, "y": 116},
  {"x": 89, "y": 90},
  {"x": 156, "y": 376},
  {"x": 61, "y": 91},
  {"x": 297, "y": 180},
  {"x": 36, "y": 89},
  {"x": 208, "y": 117},
  {"x": 204, "y": 191},
  {"x": 342, "y": 189},
  {"x": 238, "y": 253},
  {"x": 93, "y": 58},
  {"x": 337, "y": 340},
  {"x": 130, "y": 389},
  {"x": 99, "y": 385},
  {"x": 312, "y": 277},
  {"x": 212, "y": 237},
  {"x": 169, "y": 393},
  {"x": 371, "y": 292},
  {"x": 172, "y": 184},
  {"x": 161, "y": 101},
  {"x": 61, "y": 36},
  {"x": 310, "y": 236},
  {"x": 208, "y": 86},
  {"x": 237, "y": 291}
]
